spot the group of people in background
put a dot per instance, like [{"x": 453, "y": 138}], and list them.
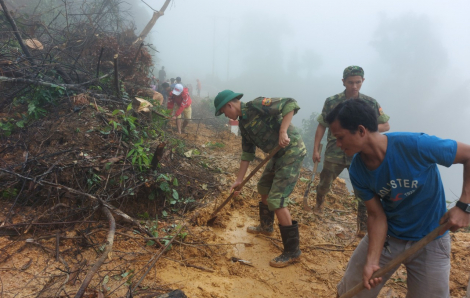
[{"x": 176, "y": 97}]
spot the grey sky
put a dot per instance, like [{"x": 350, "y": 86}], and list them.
[{"x": 414, "y": 53}]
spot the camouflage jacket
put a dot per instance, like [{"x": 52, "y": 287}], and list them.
[
  {"x": 333, "y": 153},
  {"x": 260, "y": 123}
]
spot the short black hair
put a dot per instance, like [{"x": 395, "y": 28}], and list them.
[
  {"x": 165, "y": 85},
  {"x": 352, "y": 113},
  {"x": 178, "y": 79}
]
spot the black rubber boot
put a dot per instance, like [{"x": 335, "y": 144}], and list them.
[
  {"x": 266, "y": 219},
  {"x": 290, "y": 239}
]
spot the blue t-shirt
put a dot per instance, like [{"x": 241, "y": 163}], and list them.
[{"x": 408, "y": 182}]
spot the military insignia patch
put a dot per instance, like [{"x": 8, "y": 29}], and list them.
[
  {"x": 266, "y": 102},
  {"x": 381, "y": 112}
]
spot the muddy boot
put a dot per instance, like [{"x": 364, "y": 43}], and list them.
[
  {"x": 290, "y": 239},
  {"x": 361, "y": 219},
  {"x": 319, "y": 204},
  {"x": 266, "y": 219}
]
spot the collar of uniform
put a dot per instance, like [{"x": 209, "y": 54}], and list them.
[
  {"x": 358, "y": 97},
  {"x": 243, "y": 109}
]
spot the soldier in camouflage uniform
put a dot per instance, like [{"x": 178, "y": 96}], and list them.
[
  {"x": 335, "y": 159},
  {"x": 265, "y": 123}
]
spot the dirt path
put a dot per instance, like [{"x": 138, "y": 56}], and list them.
[{"x": 239, "y": 280}]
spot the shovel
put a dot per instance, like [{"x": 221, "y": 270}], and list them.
[
  {"x": 399, "y": 259},
  {"x": 271, "y": 154},
  {"x": 310, "y": 183}
]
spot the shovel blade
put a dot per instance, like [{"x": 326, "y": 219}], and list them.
[{"x": 211, "y": 221}]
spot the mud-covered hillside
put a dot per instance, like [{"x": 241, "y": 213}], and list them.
[{"x": 53, "y": 236}]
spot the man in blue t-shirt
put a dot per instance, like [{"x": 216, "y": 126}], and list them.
[{"x": 396, "y": 176}]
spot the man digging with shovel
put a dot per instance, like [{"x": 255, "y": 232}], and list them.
[
  {"x": 396, "y": 176},
  {"x": 266, "y": 123}
]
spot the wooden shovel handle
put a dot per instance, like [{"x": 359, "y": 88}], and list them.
[
  {"x": 399, "y": 259},
  {"x": 261, "y": 164},
  {"x": 309, "y": 185}
]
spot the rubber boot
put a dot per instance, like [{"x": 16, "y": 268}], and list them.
[
  {"x": 290, "y": 239},
  {"x": 266, "y": 219},
  {"x": 319, "y": 204},
  {"x": 361, "y": 219}
]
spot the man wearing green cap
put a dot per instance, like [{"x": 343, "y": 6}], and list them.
[
  {"x": 266, "y": 123},
  {"x": 335, "y": 159}
]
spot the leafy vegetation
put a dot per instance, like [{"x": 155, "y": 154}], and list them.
[{"x": 212, "y": 145}]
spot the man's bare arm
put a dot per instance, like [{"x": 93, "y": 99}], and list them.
[
  {"x": 456, "y": 217},
  {"x": 377, "y": 231},
  {"x": 241, "y": 174},
  {"x": 319, "y": 133},
  {"x": 284, "y": 139}
]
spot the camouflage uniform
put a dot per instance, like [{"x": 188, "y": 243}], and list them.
[
  {"x": 259, "y": 126},
  {"x": 335, "y": 159}
]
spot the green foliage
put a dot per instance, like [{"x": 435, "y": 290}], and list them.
[
  {"x": 212, "y": 145},
  {"x": 36, "y": 101},
  {"x": 168, "y": 185},
  {"x": 38, "y": 98},
  {"x": 144, "y": 215},
  {"x": 7, "y": 127},
  {"x": 139, "y": 155},
  {"x": 126, "y": 123},
  {"x": 93, "y": 180},
  {"x": 178, "y": 146},
  {"x": 9, "y": 193}
]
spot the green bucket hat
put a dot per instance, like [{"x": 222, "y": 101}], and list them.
[
  {"x": 353, "y": 70},
  {"x": 222, "y": 98}
]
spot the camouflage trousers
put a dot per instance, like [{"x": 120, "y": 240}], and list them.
[
  {"x": 279, "y": 179},
  {"x": 327, "y": 176}
]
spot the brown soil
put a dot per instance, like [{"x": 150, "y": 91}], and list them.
[{"x": 201, "y": 263}]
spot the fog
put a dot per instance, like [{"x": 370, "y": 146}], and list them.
[{"x": 415, "y": 55}]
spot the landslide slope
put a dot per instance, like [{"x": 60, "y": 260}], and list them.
[{"x": 200, "y": 260}]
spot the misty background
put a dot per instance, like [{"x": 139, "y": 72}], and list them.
[{"x": 415, "y": 55}]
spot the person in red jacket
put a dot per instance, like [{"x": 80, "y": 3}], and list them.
[{"x": 180, "y": 101}]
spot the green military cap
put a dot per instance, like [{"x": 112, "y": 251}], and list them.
[
  {"x": 353, "y": 70},
  {"x": 223, "y": 97}
]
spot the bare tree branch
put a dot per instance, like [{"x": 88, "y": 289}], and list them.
[
  {"x": 152, "y": 22},
  {"x": 16, "y": 31},
  {"x": 109, "y": 247}
]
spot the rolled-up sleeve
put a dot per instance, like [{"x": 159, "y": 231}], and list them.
[
  {"x": 322, "y": 117},
  {"x": 289, "y": 107},
  {"x": 381, "y": 116},
  {"x": 276, "y": 106},
  {"x": 321, "y": 120}
]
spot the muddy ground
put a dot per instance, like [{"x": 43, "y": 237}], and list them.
[{"x": 200, "y": 260}]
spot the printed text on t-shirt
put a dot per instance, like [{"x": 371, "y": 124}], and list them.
[{"x": 403, "y": 183}]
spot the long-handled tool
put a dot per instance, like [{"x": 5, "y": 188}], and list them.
[
  {"x": 310, "y": 183},
  {"x": 399, "y": 259},
  {"x": 271, "y": 154}
]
